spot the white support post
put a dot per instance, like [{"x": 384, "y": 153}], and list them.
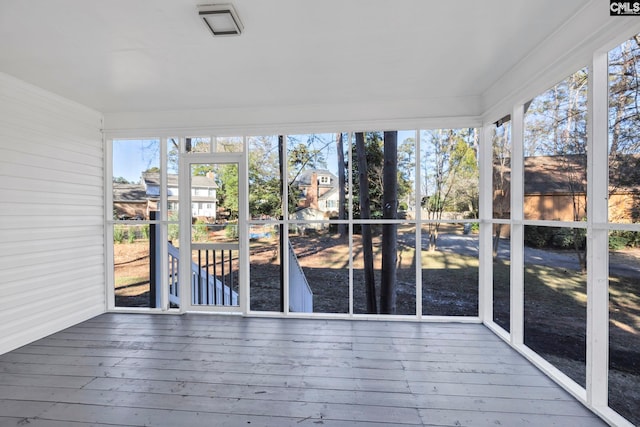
[
  {"x": 108, "y": 250},
  {"x": 517, "y": 227},
  {"x": 485, "y": 292},
  {"x": 350, "y": 214},
  {"x": 245, "y": 254},
  {"x": 162, "y": 295},
  {"x": 418, "y": 220},
  {"x": 184, "y": 192},
  {"x": 284, "y": 249},
  {"x": 598, "y": 234}
]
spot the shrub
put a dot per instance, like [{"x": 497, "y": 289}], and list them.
[
  {"x": 145, "y": 231},
  {"x": 633, "y": 238},
  {"x": 131, "y": 235},
  {"x": 118, "y": 233},
  {"x": 617, "y": 243},
  {"x": 174, "y": 232},
  {"x": 199, "y": 231},
  {"x": 535, "y": 236},
  {"x": 173, "y": 229},
  {"x": 621, "y": 239},
  {"x": 231, "y": 231},
  {"x": 569, "y": 238},
  {"x": 553, "y": 237}
]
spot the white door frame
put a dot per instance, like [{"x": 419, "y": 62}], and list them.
[{"x": 185, "y": 217}]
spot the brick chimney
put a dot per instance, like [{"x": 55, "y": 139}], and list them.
[{"x": 312, "y": 192}]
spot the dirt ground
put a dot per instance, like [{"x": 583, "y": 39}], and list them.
[
  {"x": 555, "y": 317},
  {"x": 131, "y": 274}
]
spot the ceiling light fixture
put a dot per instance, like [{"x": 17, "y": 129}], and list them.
[{"x": 221, "y": 19}]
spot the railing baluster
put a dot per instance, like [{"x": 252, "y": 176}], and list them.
[
  {"x": 172, "y": 290},
  {"x": 199, "y": 276},
  {"x": 224, "y": 293},
  {"x": 219, "y": 283},
  {"x": 206, "y": 273},
  {"x": 230, "y": 276},
  {"x": 175, "y": 278},
  {"x": 215, "y": 275}
]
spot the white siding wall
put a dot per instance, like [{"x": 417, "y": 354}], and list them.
[{"x": 52, "y": 266}]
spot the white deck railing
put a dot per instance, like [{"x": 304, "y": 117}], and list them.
[
  {"x": 300, "y": 294},
  {"x": 206, "y": 289},
  {"x": 209, "y": 290}
]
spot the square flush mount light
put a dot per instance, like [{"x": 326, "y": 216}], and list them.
[{"x": 221, "y": 19}]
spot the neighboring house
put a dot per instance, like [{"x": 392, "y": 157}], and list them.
[
  {"x": 330, "y": 201},
  {"x": 129, "y": 201},
  {"x": 319, "y": 197},
  {"x": 624, "y": 188},
  {"x": 555, "y": 189},
  {"x": 204, "y": 197},
  {"x": 135, "y": 201},
  {"x": 319, "y": 191}
]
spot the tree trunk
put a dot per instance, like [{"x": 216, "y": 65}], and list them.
[
  {"x": 365, "y": 213},
  {"x": 496, "y": 240},
  {"x": 389, "y": 280},
  {"x": 342, "y": 188}
]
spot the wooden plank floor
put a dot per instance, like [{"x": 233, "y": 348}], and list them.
[{"x": 208, "y": 370}]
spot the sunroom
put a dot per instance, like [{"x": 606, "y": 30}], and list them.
[{"x": 381, "y": 177}]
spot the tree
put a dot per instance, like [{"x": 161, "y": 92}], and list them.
[
  {"x": 265, "y": 192},
  {"x": 372, "y": 146},
  {"x": 378, "y": 173},
  {"x": 227, "y": 180},
  {"x": 464, "y": 190},
  {"x": 501, "y": 148},
  {"x": 342, "y": 187},
  {"x": 201, "y": 169},
  {"x": 624, "y": 120},
  {"x": 406, "y": 164},
  {"x": 450, "y": 168},
  {"x": 624, "y": 90},
  {"x": 365, "y": 206},
  {"x": 389, "y": 280},
  {"x": 301, "y": 156},
  {"x": 197, "y": 145},
  {"x": 121, "y": 180}
]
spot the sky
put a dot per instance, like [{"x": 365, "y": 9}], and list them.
[{"x": 132, "y": 157}]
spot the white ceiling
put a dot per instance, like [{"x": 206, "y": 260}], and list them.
[{"x": 155, "y": 55}]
